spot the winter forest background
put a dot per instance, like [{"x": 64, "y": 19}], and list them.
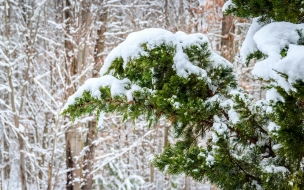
[{"x": 48, "y": 49}]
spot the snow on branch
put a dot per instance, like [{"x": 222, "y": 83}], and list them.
[
  {"x": 117, "y": 87},
  {"x": 280, "y": 46},
  {"x": 133, "y": 47}
]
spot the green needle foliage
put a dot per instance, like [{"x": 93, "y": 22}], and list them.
[
  {"x": 269, "y": 10},
  {"x": 163, "y": 92},
  {"x": 253, "y": 144}
]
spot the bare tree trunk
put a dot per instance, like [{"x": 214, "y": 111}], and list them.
[
  {"x": 74, "y": 146},
  {"x": 43, "y": 143},
  {"x": 100, "y": 44},
  {"x": 181, "y": 17},
  {"x": 227, "y": 39},
  {"x": 72, "y": 135},
  {"x": 5, "y": 149},
  {"x": 19, "y": 136},
  {"x": 166, "y": 7},
  {"x": 187, "y": 183},
  {"x": 88, "y": 159},
  {"x": 12, "y": 100},
  {"x": 166, "y": 135},
  {"x": 51, "y": 162},
  {"x": 214, "y": 187},
  {"x": 22, "y": 162},
  {"x": 151, "y": 152},
  {"x": 5, "y": 159}
]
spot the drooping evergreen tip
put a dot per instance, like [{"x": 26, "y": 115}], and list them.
[{"x": 170, "y": 71}]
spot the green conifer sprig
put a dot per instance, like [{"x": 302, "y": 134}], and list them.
[
  {"x": 163, "y": 92},
  {"x": 268, "y": 10},
  {"x": 254, "y": 145}
]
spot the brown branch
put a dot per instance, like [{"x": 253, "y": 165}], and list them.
[{"x": 248, "y": 175}]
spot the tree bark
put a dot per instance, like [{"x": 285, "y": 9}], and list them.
[
  {"x": 100, "y": 44},
  {"x": 187, "y": 183},
  {"x": 13, "y": 102},
  {"x": 227, "y": 39},
  {"x": 166, "y": 135},
  {"x": 5, "y": 159},
  {"x": 73, "y": 136},
  {"x": 88, "y": 160},
  {"x": 152, "y": 152},
  {"x": 74, "y": 146},
  {"x": 214, "y": 187}
]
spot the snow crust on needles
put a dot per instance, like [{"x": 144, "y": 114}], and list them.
[
  {"x": 271, "y": 39},
  {"x": 249, "y": 46},
  {"x": 117, "y": 87},
  {"x": 132, "y": 48},
  {"x": 227, "y": 4}
]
